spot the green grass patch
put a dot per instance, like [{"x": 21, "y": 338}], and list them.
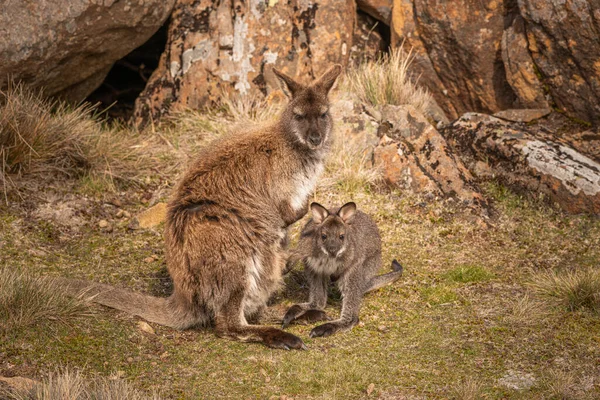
[{"x": 468, "y": 274}]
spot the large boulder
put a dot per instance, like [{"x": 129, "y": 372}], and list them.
[
  {"x": 231, "y": 46},
  {"x": 456, "y": 45},
  {"x": 529, "y": 159},
  {"x": 486, "y": 56},
  {"x": 68, "y": 47},
  {"x": 415, "y": 157},
  {"x": 564, "y": 41}
]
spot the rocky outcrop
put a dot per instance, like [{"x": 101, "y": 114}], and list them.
[
  {"x": 415, "y": 157},
  {"x": 456, "y": 45},
  {"x": 381, "y": 10},
  {"x": 564, "y": 41},
  {"x": 529, "y": 160},
  {"x": 487, "y": 56},
  {"x": 68, "y": 47},
  {"x": 231, "y": 46}
]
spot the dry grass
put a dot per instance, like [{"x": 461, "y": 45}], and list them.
[
  {"x": 467, "y": 389},
  {"x": 41, "y": 136},
  {"x": 68, "y": 385},
  {"x": 575, "y": 290},
  {"x": 349, "y": 168},
  {"x": 26, "y": 300},
  {"x": 388, "y": 81}
]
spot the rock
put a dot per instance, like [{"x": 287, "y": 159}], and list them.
[
  {"x": 367, "y": 43},
  {"x": 68, "y": 47},
  {"x": 415, "y": 157},
  {"x": 18, "y": 383},
  {"x": 103, "y": 224},
  {"x": 519, "y": 66},
  {"x": 145, "y": 327},
  {"x": 353, "y": 123},
  {"x": 516, "y": 380},
  {"x": 231, "y": 46},
  {"x": 529, "y": 160},
  {"x": 152, "y": 216},
  {"x": 523, "y": 115},
  {"x": 563, "y": 40},
  {"x": 487, "y": 56},
  {"x": 381, "y": 10},
  {"x": 456, "y": 45}
]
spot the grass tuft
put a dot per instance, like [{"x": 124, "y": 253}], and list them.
[
  {"x": 575, "y": 290},
  {"x": 73, "y": 386},
  {"x": 349, "y": 169},
  {"x": 40, "y": 136},
  {"x": 468, "y": 274},
  {"x": 387, "y": 81},
  {"x": 27, "y": 300}
]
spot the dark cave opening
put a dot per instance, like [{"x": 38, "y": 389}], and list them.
[{"x": 128, "y": 77}]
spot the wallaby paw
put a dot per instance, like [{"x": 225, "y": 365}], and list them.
[
  {"x": 291, "y": 314},
  {"x": 277, "y": 339},
  {"x": 313, "y": 315},
  {"x": 324, "y": 330}
]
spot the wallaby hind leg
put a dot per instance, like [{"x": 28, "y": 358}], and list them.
[
  {"x": 230, "y": 322},
  {"x": 380, "y": 281},
  {"x": 312, "y": 311}
]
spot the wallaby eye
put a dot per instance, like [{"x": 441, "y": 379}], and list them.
[
  {"x": 324, "y": 115},
  {"x": 298, "y": 117},
  {"x": 323, "y": 236},
  {"x": 342, "y": 236}
]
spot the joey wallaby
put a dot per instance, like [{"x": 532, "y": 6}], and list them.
[
  {"x": 226, "y": 222},
  {"x": 342, "y": 244}
]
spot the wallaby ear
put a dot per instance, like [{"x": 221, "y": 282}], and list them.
[
  {"x": 326, "y": 81},
  {"x": 319, "y": 213},
  {"x": 347, "y": 211},
  {"x": 289, "y": 86}
]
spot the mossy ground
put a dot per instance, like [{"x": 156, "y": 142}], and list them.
[{"x": 463, "y": 322}]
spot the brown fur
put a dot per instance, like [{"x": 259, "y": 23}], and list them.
[{"x": 227, "y": 220}]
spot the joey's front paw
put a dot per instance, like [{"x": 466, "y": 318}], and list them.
[
  {"x": 283, "y": 340},
  {"x": 324, "y": 330},
  {"x": 291, "y": 315}
]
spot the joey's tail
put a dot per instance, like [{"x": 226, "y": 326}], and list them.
[
  {"x": 380, "y": 281},
  {"x": 163, "y": 311}
]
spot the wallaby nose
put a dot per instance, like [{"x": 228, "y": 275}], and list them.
[{"x": 314, "y": 138}]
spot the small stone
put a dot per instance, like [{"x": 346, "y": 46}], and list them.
[
  {"x": 382, "y": 328},
  {"x": 120, "y": 214},
  {"x": 129, "y": 359},
  {"x": 149, "y": 260},
  {"x": 103, "y": 223},
  {"x": 145, "y": 327},
  {"x": 370, "y": 388},
  {"x": 152, "y": 216}
]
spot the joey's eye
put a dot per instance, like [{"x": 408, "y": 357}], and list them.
[
  {"x": 298, "y": 117},
  {"x": 323, "y": 236},
  {"x": 324, "y": 115},
  {"x": 342, "y": 236}
]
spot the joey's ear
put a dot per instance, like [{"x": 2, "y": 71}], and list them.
[
  {"x": 347, "y": 211},
  {"x": 289, "y": 86},
  {"x": 319, "y": 213},
  {"x": 326, "y": 81}
]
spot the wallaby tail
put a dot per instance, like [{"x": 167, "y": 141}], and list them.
[
  {"x": 380, "y": 281},
  {"x": 163, "y": 311}
]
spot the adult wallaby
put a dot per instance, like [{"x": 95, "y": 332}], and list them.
[
  {"x": 226, "y": 222},
  {"x": 343, "y": 245}
]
